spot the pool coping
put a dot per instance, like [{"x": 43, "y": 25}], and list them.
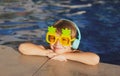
[{"x": 13, "y": 63}]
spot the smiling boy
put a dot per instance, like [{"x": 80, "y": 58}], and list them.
[{"x": 64, "y": 38}]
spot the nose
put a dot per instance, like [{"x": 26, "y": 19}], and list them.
[{"x": 57, "y": 42}]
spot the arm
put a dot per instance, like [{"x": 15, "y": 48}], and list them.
[
  {"x": 84, "y": 57},
  {"x": 32, "y": 49}
]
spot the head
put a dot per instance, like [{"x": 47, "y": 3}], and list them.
[
  {"x": 62, "y": 24},
  {"x": 59, "y": 26}
]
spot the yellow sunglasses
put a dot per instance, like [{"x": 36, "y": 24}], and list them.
[{"x": 65, "y": 38}]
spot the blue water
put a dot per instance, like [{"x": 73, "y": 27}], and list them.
[{"x": 99, "y": 25}]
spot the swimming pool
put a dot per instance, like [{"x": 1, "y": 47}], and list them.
[{"x": 98, "y": 21}]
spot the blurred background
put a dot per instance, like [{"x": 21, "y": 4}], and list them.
[{"x": 98, "y": 20}]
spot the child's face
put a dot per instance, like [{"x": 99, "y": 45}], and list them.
[{"x": 57, "y": 47}]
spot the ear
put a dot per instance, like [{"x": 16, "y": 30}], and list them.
[{"x": 75, "y": 44}]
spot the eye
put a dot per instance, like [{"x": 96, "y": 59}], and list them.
[
  {"x": 64, "y": 39},
  {"x": 51, "y": 38}
]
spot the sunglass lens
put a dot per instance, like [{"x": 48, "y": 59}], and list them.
[
  {"x": 51, "y": 38},
  {"x": 65, "y": 41}
]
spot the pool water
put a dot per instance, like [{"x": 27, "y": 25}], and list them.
[{"x": 98, "y": 22}]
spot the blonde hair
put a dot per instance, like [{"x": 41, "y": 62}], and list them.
[{"x": 65, "y": 24}]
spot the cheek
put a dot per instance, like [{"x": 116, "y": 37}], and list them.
[{"x": 67, "y": 48}]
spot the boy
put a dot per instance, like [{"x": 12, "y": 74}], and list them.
[{"x": 64, "y": 41}]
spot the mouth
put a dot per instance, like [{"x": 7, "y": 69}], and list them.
[{"x": 58, "y": 48}]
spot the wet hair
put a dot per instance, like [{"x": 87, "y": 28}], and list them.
[{"x": 65, "y": 24}]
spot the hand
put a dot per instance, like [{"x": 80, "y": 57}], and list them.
[
  {"x": 59, "y": 57},
  {"x": 51, "y": 54}
]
